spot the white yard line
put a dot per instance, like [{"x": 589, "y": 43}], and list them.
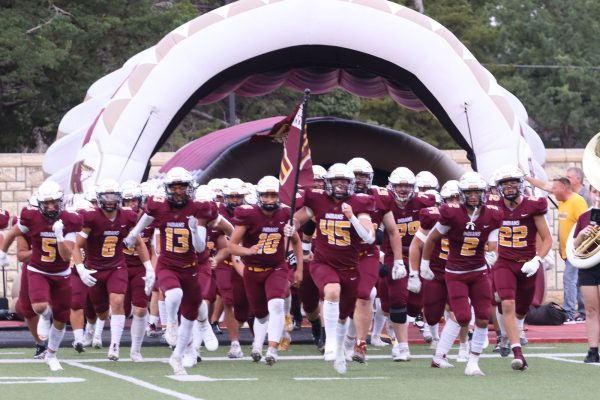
[
  {"x": 132, "y": 380},
  {"x": 569, "y": 360},
  {"x": 13, "y": 380},
  {"x": 203, "y": 378},
  {"x": 339, "y": 378}
]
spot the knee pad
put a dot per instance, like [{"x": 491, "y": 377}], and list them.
[
  {"x": 176, "y": 294},
  {"x": 398, "y": 315}
]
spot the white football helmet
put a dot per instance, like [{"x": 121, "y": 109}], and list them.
[
  {"x": 319, "y": 172},
  {"x": 509, "y": 173},
  {"x": 339, "y": 171},
  {"x": 405, "y": 177},
  {"x": 268, "y": 184},
  {"x": 233, "y": 193},
  {"x": 80, "y": 203},
  {"x": 178, "y": 176},
  {"x": 425, "y": 180},
  {"x": 217, "y": 185},
  {"x": 204, "y": 193},
  {"x": 250, "y": 197},
  {"x": 360, "y": 166},
  {"x": 108, "y": 195},
  {"x": 132, "y": 191},
  {"x": 50, "y": 192},
  {"x": 450, "y": 189},
  {"x": 436, "y": 195},
  {"x": 472, "y": 181}
]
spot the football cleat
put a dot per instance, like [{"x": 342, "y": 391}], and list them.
[
  {"x": 377, "y": 342},
  {"x": 40, "y": 351},
  {"x": 321, "y": 341},
  {"x": 136, "y": 356},
  {"x": 348, "y": 348},
  {"x": 235, "y": 351},
  {"x": 256, "y": 354},
  {"x": 427, "y": 337},
  {"x": 340, "y": 366},
  {"x": 400, "y": 355},
  {"x": 271, "y": 356},
  {"x": 329, "y": 354},
  {"x": 171, "y": 333},
  {"x": 208, "y": 336},
  {"x": 441, "y": 362},
  {"x": 473, "y": 369},
  {"x": 177, "y": 365},
  {"x": 97, "y": 343},
  {"x": 360, "y": 352},
  {"x": 419, "y": 321},
  {"x": 190, "y": 357},
  {"x": 152, "y": 331},
  {"x": 284, "y": 342},
  {"x": 53, "y": 362},
  {"x": 463, "y": 353},
  {"x": 113, "y": 352},
  {"x": 518, "y": 363},
  {"x": 78, "y": 346}
]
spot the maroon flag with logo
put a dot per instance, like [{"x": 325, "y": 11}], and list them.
[{"x": 289, "y": 132}]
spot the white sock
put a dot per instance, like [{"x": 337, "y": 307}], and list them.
[
  {"x": 153, "y": 319},
  {"x": 472, "y": 321},
  {"x": 340, "y": 333},
  {"x": 89, "y": 327},
  {"x": 99, "y": 328},
  {"x": 184, "y": 334},
  {"x": 287, "y": 304},
  {"x": 55, "y": 337},
  {"x": 447, "y": 338},
  {"x": 403, "y": 345},
  {"x": 162, "y": 312},
  {"x": 276, "y": 319},
  {"x": 379, "y": 319},
  {"x": 117, "y": 323},
  {"x": 203, "y": 312},
  {"x": 390, "y": 329},
  {"x": 351, "y": 329},
  {"x": 473, "y": 359},
  {"x": 500, "y": 319},
  {"x": 331, "y": 315},
  {"x": 260, "y": 331},
  {"x": 478, "y": 340},
  {"x": 521, "y": 324},
  {"x": 138, "y": 328},
  {"x": 435, "y": 331},
  {"x": 172, "y": 302},
  {"x": 197, "y": 335},
  {"x": 78, "y": 335}
]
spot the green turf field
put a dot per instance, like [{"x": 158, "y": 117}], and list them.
[{"x": 555, "y": 370}]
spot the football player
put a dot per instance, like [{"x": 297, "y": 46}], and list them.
[
  {"x": 105, "y": 271},
  {"x": 519, "y": 258},
  {"x": 52, "y": 231},
  {"x": 425, "y": 181},
  {"x": 343, "y": 223},
  {"x": 469, "y": 226},
  {"x": 258, "y": 238},
  {"x": 368, "y": 267},
  {"x": 395, "y": 299},
  {"x": 182, "y": 224}
]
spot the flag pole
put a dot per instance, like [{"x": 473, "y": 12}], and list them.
[{"x": 299, "y": 160}]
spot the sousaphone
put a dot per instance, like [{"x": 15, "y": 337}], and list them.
[{"x": 587, "y": 254}]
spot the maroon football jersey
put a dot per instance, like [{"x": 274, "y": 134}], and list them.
[
  {"x": 132, "y": 258},
  {"x": 336, "y": 243},
  {"x": 407, "y": 221},
  {"x": 175, "y": 238},
  {"x": 516, "y": 240},
  {"x": 383, "y": 204},
  {"x": 44, "y": 248},
  {"x": 104, "y": 247},
  {"x": 4, "y": 219},
  {"x": 428, "y": 217},
  {"x": 467, "y": 246},
  {"x": 264, "y": 231}
]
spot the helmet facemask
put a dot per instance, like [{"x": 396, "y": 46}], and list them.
[
  {"x": 179, "y": 193},
  {"x": 51, "y": 209},
  {"x": 472, "y": 198},
  {"x": 268, "y": 201},
  {"x": 362, "y": 181},
  {"x": 402, "y": 191},
  {"x": 511, "y": 189},
  {"x": 339, "y": 188},
  {"x": 109, "y": 201}
]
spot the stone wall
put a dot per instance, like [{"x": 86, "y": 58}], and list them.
[{"x": 20, "y": 174}]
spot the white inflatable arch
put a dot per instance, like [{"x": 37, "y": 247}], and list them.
[{"x": 371, "y": 48}]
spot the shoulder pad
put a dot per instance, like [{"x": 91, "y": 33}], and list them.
[
  {"x": 361, "y": 195},
  {"x": 433, "y": 210},
  {"x": 494, "y": 197},
  {"x": 492, "y": 207},
  {"x": 452, "y": 205},
  {"x": 320, "y": 191},
  {"x": 126, "y": 208},
  {"x": 246, "y": 207},
  {"x": 32, "y": 208},
  {"x": 159, "y": 199},
  {"x": 284, "y": 206}
]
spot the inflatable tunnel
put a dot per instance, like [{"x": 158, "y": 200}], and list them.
[
  {"x": 230, "y": 153},
  {"x": 370, "y": 48}
]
